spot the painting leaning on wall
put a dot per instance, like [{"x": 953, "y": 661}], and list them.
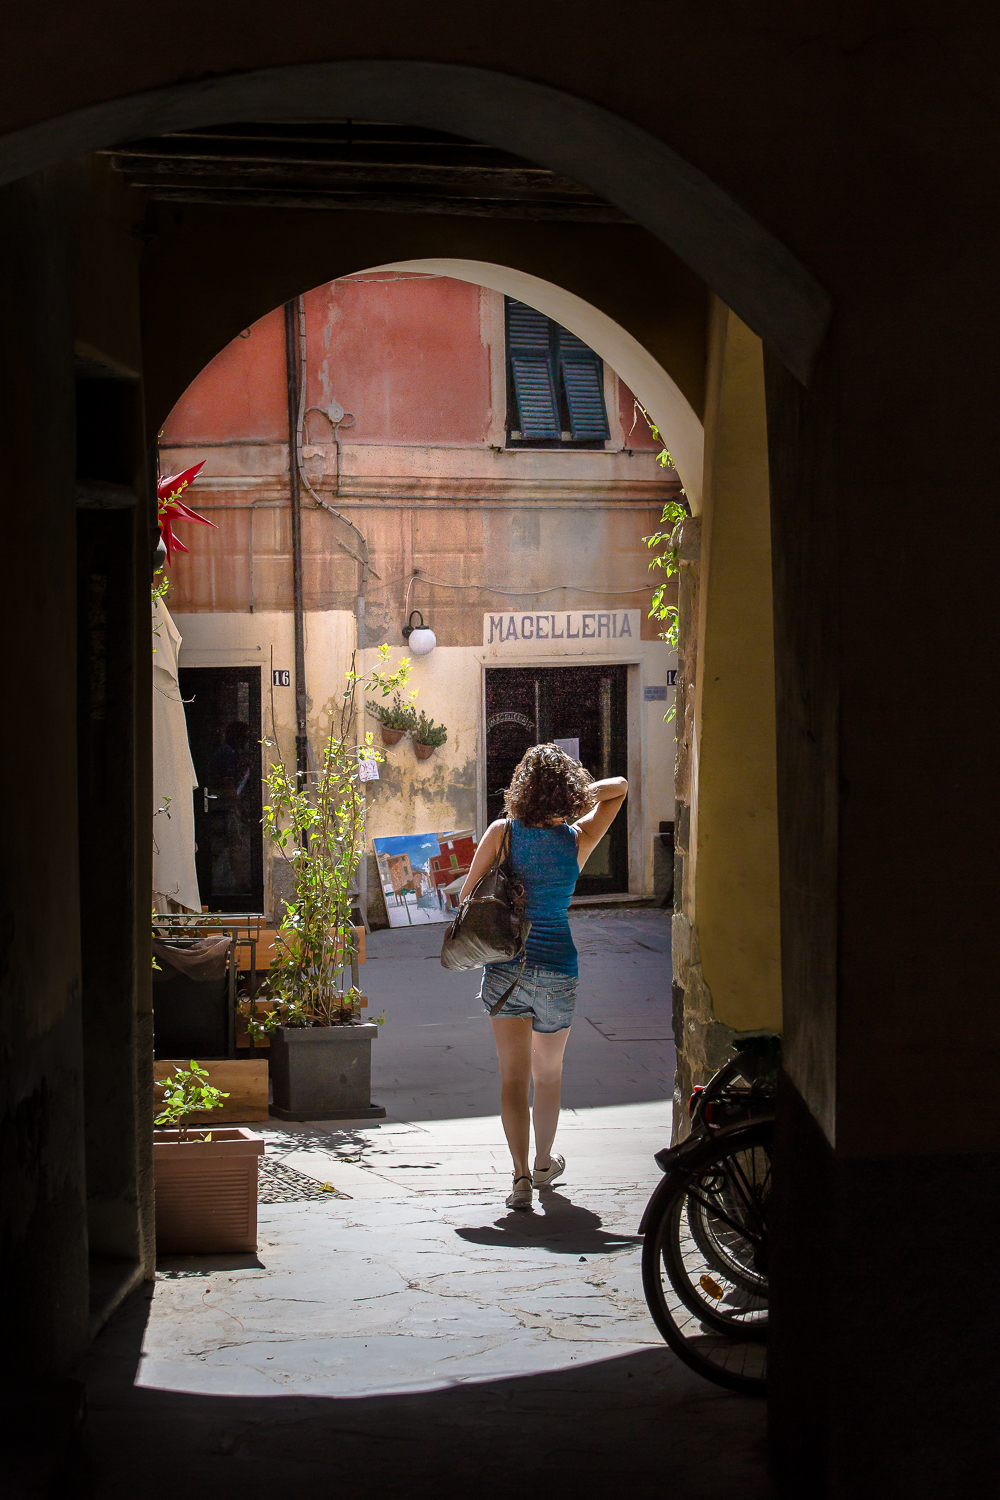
[{"x": 421, "y": 874}]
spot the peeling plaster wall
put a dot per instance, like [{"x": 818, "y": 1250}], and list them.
[{"x": 445, "y": 791}]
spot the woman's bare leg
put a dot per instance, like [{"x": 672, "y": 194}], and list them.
[
  {"x": 513, "y": 1039},
  {"x": 547, "y": 1048}
]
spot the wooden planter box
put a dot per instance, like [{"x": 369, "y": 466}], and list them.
[
  {"x": 244, "y": 1080},
  {"x": 206, "y": 1192},
  {"x": 323, "y": 1073}
]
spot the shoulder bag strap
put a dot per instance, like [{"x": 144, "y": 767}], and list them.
[
  {"x": 511, "y": 987},
  {"x": 498, "y": 859}
]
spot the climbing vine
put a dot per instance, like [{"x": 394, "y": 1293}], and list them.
[{"x": 666, "y": 562}]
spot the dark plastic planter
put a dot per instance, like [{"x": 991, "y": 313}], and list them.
[{"x": 323, "y": 1072}]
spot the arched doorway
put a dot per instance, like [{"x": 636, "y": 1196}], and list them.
[{"x": 777, "y": 269}]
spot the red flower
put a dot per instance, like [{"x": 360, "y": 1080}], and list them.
[{"x": 170, "y": 509}]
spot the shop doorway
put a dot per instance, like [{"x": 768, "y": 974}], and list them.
[
  {"x": 223, "y": 719},
  {"x": 586, "y": 708}
]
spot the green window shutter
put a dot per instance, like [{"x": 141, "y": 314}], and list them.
[
  {"x": 532, "y": 371},
  {"x": 582, "y": 374}
]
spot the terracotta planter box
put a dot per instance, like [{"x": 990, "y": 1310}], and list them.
[
  {"x": 323, "y": 1072},
  {"x": 392, "y": 736},
  {"x": 206, "y": 1191},
  {"x": 423, "y": 752}
]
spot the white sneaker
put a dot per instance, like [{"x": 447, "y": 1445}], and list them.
[
  {"x": 520, "y": 1195},
  {"x": 551, "y": 1174}
]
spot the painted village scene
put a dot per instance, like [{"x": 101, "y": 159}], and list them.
[{"x": 422, "y": 875}]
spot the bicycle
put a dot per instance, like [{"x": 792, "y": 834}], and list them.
[{"x": 705, "y": 1228}]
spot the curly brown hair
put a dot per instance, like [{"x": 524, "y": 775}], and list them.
[{"x": 548, "y": 785}]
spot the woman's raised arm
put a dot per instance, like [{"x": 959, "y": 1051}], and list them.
[{"x": 592, "y": 827}]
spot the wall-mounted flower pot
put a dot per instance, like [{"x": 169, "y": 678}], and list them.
[
  {"x": 323, "y": 1072},
  {"x": 423, "y": 752},
  {"x": 206, "y": 1191},
  {"x": 391, "y": 736}
]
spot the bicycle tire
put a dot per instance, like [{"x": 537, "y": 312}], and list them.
[{"x": 729, "y": 1349}]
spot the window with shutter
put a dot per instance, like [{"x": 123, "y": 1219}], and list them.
[
  {"x": 583, "y": 381},
  {"x": 555, "y": 383},
  {"x": 532, "y": 373}
]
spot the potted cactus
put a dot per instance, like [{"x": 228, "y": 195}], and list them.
[
  {"x": 206, "y": 1180},
  {"x": 320, "y": 1049},
  {"x": 427, "y": 736},
  {"x": 396, "y": 719}
]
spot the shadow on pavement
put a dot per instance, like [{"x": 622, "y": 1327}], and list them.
[
  {"x": 562, "y": 1227},
  {"x": 640, "y": 1423}
]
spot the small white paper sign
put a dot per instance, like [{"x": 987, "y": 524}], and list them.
[
  {"x": 367, "y": 767},
  {"x": 571, "y": 747}
]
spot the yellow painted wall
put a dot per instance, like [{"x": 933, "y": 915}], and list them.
[{"x": 735, "y": 832}]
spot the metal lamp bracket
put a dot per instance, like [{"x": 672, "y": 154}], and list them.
[{"x": 409, "y": 627}]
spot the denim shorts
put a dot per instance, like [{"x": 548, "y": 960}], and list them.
[{"x": 546, "y": 995}]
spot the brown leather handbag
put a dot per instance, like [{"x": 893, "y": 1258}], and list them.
[{"x": 490, "y": 927}]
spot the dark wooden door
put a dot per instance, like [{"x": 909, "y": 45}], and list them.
[
  {"x": 532, "y": 705},
  {"x": 224, "y": 728}
]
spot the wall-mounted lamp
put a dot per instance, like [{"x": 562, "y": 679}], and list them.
[{"x": 420, "y": 638}]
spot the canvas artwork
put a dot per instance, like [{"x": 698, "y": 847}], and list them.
[{"x": 422, "y": 874}]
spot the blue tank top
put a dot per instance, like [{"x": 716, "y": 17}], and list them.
[{"x": 545, "y": 861}]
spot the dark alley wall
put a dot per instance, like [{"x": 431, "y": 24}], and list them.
[
  {"x": 43, "y": 1278},
  {"x": 75, "y": 1024}
]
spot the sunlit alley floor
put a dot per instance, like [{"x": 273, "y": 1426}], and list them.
[{"x": 411, "y": 1336}]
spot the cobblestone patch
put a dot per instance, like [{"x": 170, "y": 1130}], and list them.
[{"x": 277, "y": 1183}]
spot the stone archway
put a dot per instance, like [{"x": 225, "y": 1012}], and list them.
[
  {"x": 739, "y": 258},
  {"x": 651, "y": 383}
]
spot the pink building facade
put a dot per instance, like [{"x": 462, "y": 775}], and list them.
[{"x": 462, "y": 457}]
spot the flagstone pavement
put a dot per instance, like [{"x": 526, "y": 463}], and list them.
[{"x": 410, "y": 1336}]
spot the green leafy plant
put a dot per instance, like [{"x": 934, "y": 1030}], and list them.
[
  {"x": 159, "y": 589},
  {"x": 295, "y": 1013},
  {"x": 399, "y": 714},
  {"x": 188, "y": 1093},
  {"x": 667, "y": 562},
  {"x": 318, "y": 826},
  {"x": 426, "y": 732}
]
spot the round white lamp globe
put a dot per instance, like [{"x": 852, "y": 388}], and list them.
[{"x": 422, "y": 640}]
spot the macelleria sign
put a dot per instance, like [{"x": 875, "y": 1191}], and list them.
[{"x": 584, "y": 632}]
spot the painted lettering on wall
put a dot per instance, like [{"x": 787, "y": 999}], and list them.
[{"x": 593, "y": 629}]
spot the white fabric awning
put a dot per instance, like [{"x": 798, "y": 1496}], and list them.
[{"x": 174, "y": 779}]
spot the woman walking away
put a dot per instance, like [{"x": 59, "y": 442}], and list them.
[{"x": 557, "y": 815}]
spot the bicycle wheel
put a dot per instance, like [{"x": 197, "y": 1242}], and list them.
[
  {"x": 704, "y": 1262},
  {"x": 740, "y": 1257}
]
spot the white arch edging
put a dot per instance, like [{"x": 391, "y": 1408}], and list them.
[
  {"x": 669, "y": 408},
  {"x": 740, "y": 260}
]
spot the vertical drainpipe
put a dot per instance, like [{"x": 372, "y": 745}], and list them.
[{"x": 292, "y": 370}]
